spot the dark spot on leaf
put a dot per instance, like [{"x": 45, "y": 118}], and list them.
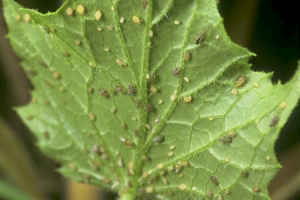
[{"x": 274, "y": 121}]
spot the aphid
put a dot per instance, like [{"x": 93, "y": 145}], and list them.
[
  {"x": 235, "y": 92},
  {"x": 18, "y": 17},
  {"x": 172, "y": 147},
  {"x": 170, "y": 154},
  {"x": 27, "y": 18},
  {"x": 256, "y": 84},
  {"x": 138, "y": 103},
  {"x": 282, "y": 105},
  {"x": 56, "y": 75},
  {"x": 227, "y": 139},
  {"x": 181, "y": 175},
  {"x": 171, "y": 168},
  {"x": 148, "y": 108},
  {"x": 136, "y": 19},
  {"x": 80, "y": 9},
  {"x": 152, "y": 78},
  {"x": 46, "y": 135},
  {"x": 145, "y": 3},
  {"x": 209, "y": 193},
  {"x": 186, "y": 79},
  {"x": 240, "y": 82},
  {"x": 66, "y": 54},
  {"x": 113, "y": 110},
  {"x": 124, "y": 125},
  {"x": 120, "y": 89},
  {"x": 274, "y": 121},
  {"x": 256, "y": 189},
  {"x": 194, "y": 188},
  {"x": 106, "y": 49},
  {"x": 220, "y": 197},
  {"x": 111, "y": 28},
  {"x": 159, "y": 139},
  {"x": 151, "y": 34},
  {"x": 211, "y": 119},
  {"x": 104, "y": 93},
  {"x": 122, "y": 20},
  {"x": 129, "y": 143},
  {"x": 176, "y": 22},
  {"x": 173, "y": 97},
  {"x": 148, "y": 126},
  {"x": 98, "y": 15},
  {"x": 131, "y": 89},
  {"x": 201, "y": 37},
  {"x": 96, "y": 149},
  {"x": 92, "y": 117},
  {"x": 153, "y": 89},
  {"x": 227, "y": 191},
  {"x": 165, "y": 181},
  {"x": 187, "y": 99},
  {"x": 245, "y": 174},
  {"x": 268, "y": 158},
  {"x": 182, "y": 186},
  {"x": 178, "y": 167},
  {"x": 121, "y": 63},
  {"x": 187, "y": 56},
  {"x": 77, "y": 42},
  {"x": 91, "y": 90},
  {"x": 136, "y": 133},
  {"x": 160, "y": 101},
  {"x": 145, "y": 175},
  {"x": 69, "y": 11},
  {"x": 149, "y": 189},
  {"x": 176, "y": 72},
  {"x": 159, "y": 166},
  {"x": 214, "y": 180},
  {"x": 217, "y": 37},
  {"x": 52, "y": 30}
]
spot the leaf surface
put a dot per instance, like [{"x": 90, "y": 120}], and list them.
[{"x": 150, "y": 98}]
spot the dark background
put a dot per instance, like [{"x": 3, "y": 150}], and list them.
[{"x": 268, "y": 28}]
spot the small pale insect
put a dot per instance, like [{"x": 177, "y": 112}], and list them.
[
  {"x": 56, "y": 75},
  {"x": 187, "y": 56},
  {"x": 211, "y": 119},
  {"x": 149, "y": 189},
  {"x": 148, "y": 126},
  {"x": 172, "y": 147},
  {"x": 98, "y": 15},
  {"x": 256, "y": 189},
  {"x": 235, "y": 92},
  {"x": 227, "y": 191},
  {"x": 160, "y": 101},
  {"x": 77, "y": 42},
  {"x": 176, "y": 22},
  {"x": 187, "y": 99},
  {"x": 80, "y": 9},
  {"x": 122, "y": 19},
  {"x": 136, "y": 19},
  {"x": 165, "y": 181},
  {"x": 27, "y": 18},
  {"x": 120, "y": 62},
  {"x": 201, "y": 37},
  {"x": 159, "y": 166},
  {"x": 153, "y": 89},
  {"x": 178, "y": 167},
  {"x": 92, "y": 117},
  {"x": 245, "y": 174},
  {"x": 182, "y": 186},
  {"x": 274, "y": 121},
  {"x": 194, "y": 188},
  {"x": 106, "y": 49},
  {"x": 282, "y": 105},
  {"x": 158, "y": 139},
  {"x": 151, "y": 34},
  {"x": 104, "y": 93},
  {"x": 186, "y": 79},
  {"x": 220, "y": 197},
  {"x": 217, "y": 37},
  {"x": 145, "y": 175},
  {"x": 171, "y": 168},
  {"x": 18, "y": 17},
  {"x": 69, "y": 11},
  {"x": 214, "y": 180},
  {"x": 256, "y": 84},
  {"x": 241, "y": 81},
  {"x": 112, "y": 8},
  {"x": 129, "y": 143},
  {"x": 170, "y": 154},
  {"x": 176, "y": 72}
]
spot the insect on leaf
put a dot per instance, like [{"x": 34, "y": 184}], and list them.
[{"x": 128, "y": 100}]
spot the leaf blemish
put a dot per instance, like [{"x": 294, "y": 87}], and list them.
[
  {"x": 274, "y": 121},
  {"x": 176, "y": 72},
  {"x": 214, "y": 180}
]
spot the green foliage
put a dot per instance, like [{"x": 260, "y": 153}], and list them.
[{"x": 150, "y": 98}]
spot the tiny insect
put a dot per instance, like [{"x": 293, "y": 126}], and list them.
[
  {"x": 209, "y": 193},
  {"x": 201, "y": 37},
  {"x": 98, "y": 15},
  {"x": 131, "y": 89},
  {"x": 80, "y": 9},
  {"x": 129, "y": 143},
  {"x": 245, "y": 174},
  {"x": 145, "y": 3},
  {"x": 149, "y": 108},
  {"x": 274, "y": 121},
  {"x": 187, "y": 56},
  {"x": 136, "y": 19},
  {"x": 120, "y": 89},
  {"x": 104, "y": 93},
  {"x": 176, "y": 72},
  {"x": 69, "y": 11},
  {"x": 256, "y": 189},
  {"x": 240, "y": 82},
  {"x": 138, "y": 103},
  {"x": 159, "y": 139},
  {"x": 214, "y": 180}
]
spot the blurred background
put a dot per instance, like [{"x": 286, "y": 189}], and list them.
[{"x": 268, "y": 28}]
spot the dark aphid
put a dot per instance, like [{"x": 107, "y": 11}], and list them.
[
  {"x": 136, "y": 133},
  {"x": 138, "y": 103},
  {"x": 214, "y": 180},
  {"x": 245, "y": 174},
  {"x": 66, "y": 54},
  {"x": 274, "y": 121},
  {"x": 201, "y": 37},
  {"x": 256, "y": 189},
  {"x": 209, "y": 193},
  {"x": 176, "y": 72},
  {"x": 104, "y": 93},
  {"x": 159, "y": 139},
  {"x": 227, "y": 139},
  {"x": 145, "y": 3},
  {"x": 131, "y": 89},
  {"x": 120, "y": 89},
  {"x": 148, "y": 107},
  {"x": 152, "y": 78},
  {"x": 129, "y": 143},
  {"x": 42, "y": 64},
  {"x": 96, "y": 149}
]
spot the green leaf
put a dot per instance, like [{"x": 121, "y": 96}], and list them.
[{"x": 150, "y": 98}]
